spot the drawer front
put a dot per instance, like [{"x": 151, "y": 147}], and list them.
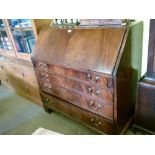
[
  {"x": 96, "y": 122},
  {"x": 101, "y": 80},
  {"x": 76, "y": 98},
  {"x": 24, "y": 82},
  {"x": 105, "y": 94},
  {"x": 24, "y": 73}
]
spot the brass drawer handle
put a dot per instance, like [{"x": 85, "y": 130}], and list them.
[
  {"x": 44, "y": 75},
  {"x": 42, "y": 65},
  {"x": 92, "y": 119},
  {"x": 47, "y": 100},
  {"x": 27, "y": 89},
  {"x": 95, "y": 107},
  {"x": 23, "y": 74},
  {"x": 97, "y": 78},
  {"x": 2, "y": 66},
  {"x": 97, "y": 124},
  {"x": 47, "y": 86},
  {"x": 92, "y": 92}
]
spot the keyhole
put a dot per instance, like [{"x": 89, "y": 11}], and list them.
[
  {"x": 27, "y": 90},
  {"x": 23, "y": 74},
  {"x": 1, "y": 66}
]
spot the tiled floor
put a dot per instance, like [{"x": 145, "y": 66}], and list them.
[{"x": 19, "y": 116}]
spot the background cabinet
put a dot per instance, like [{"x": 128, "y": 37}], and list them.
[
  {"x": 151, "y": 51},
  {"x": 17, "y": 40},
  {"x": 145, "y": 108}
]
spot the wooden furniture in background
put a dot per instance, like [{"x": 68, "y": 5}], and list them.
[
  {"x": 145, "y": 107},
  {"x": 16, "y": 69},
  {"x": 41, "y": 23},
  {"x": 90, "y": 74},
  {"x": 20, "y": 36},
  {"x": 5, "y": 40}
]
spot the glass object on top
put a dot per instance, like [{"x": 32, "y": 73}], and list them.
[{"x": 16, "y": 23}]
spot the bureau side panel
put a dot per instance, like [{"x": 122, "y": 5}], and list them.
[{"x": 129, "y": 72}]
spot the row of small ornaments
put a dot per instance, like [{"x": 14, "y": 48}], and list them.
[{"x": 66, "y": 21}]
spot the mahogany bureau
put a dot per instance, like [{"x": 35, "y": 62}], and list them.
[{"x": 87, "y": 74}]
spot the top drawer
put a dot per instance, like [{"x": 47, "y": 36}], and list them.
[{"x": 94, "y": 78}]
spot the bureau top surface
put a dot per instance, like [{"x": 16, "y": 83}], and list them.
[{"x": 94, "y": 49}]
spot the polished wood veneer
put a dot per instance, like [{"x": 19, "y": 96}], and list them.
[
  {"x": 80, "y": 74},
  {"x": 88, "y": 89},
  {"x": 81, "y": 48}
]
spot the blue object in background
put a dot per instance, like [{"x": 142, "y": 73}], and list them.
[
  {"x": 1, "y": 24},
  {"x": 20, "y": 23}
]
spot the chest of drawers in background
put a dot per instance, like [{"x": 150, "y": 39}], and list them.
[{"x": 19, "y": 76}]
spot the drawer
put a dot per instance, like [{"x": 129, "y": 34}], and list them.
[
  {"x": 87, "y": 76},
  {"x": 78, "y": 99},
  {"x": 23, "y": 73},
  {"x": 91, "y": 90},
  {"x": 23, "y": 80},
  {"x": 101, "y": 80},
  {"x": 25, "y": 88},
  {"x": 96, "y": 122}
]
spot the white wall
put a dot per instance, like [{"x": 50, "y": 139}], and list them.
[{"x": 145, "y": 45}]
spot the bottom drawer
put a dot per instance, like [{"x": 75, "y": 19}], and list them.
[{"x": 98, "y": 123}]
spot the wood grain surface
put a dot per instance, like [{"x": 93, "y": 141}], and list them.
[{"x": 89, "y": 49}]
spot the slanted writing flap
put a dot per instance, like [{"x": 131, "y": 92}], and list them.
[{"x": 94, "y": 49}]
